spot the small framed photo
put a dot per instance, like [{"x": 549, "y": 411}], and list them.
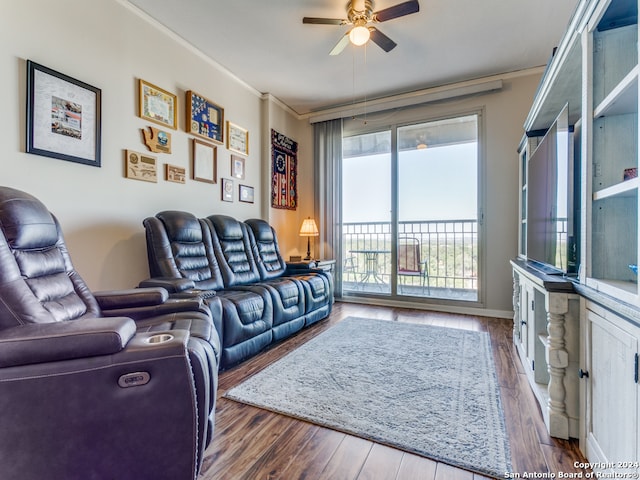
[
  {"x": 237, "y": 167},
  {"x": 140, "y": 166},
  {"x": 227, "y": 190},
  {"x": 246, "y": 194},
  {"x": 63, "y": 116},
  {"x": 157, "y": 105},
  {"x": 237, "y": 139},
  {"x": 173, "y": 173},
  {"x": 204, "y": 161},
  {"x": 204, "y": 118}
]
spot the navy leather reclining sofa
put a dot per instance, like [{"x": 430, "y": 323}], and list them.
[{"x": 237, "y": 268}]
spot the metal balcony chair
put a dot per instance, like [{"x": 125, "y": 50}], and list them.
[
  {"x": 410, "y": 263},
  {"x": 350, "y": 269}
]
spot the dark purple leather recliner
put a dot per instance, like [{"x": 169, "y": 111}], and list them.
[{"x": 112, "y": 385}]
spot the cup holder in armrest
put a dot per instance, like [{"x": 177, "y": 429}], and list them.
[{"x": 159, "y": 338}]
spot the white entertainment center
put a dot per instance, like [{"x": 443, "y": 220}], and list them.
[{"x": 577, "y": 330}]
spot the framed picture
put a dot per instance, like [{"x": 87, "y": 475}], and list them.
[
  {"x": 204, "y": 161},
  {"x": 173, "y": 173},
  {"x": 140, "y": 166},
  {"x": 237, "y": 139},
  {"x": 157, "y": 105},
  {"x": 237, "y": 167},
  {"x": 227, "y": 190},
  {"x": 204, "y": 118},
  {"x": 246, "y": 194},
  {"x": 63, "y": 116}
]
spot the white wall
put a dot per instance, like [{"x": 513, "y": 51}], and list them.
[{"x": 107, "y": 44}]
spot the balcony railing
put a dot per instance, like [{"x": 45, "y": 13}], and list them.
[{"x": 449, "y": 248}]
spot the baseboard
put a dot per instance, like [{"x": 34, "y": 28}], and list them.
[{"x": 383, "y": 302}]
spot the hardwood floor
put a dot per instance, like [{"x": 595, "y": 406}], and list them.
[{"x": 250, "y": 443}]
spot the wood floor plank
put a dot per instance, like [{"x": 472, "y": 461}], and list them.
[
  {"x": 526, "y": 455},
  {"x": 236, "y": 453},
  {"x": 561, "y": 457},
  {"x": 414, "y": 467},
  {"x": 229, "y": 434},
  {"x": 251, "y": 441},
  {"x": 382, "y": 463},
  {"x": 284, "y": 451},
  {"x": 315, "y": 456},
  {"x": 348, "y": 459},
  {"x": 447, "y": 472}
]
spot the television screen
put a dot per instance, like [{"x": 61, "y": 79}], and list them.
[{"x": 550, "y": 192}]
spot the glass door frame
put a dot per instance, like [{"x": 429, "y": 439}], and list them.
[{"x": 394, "y": 294}]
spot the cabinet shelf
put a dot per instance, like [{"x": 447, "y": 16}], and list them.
[
  {"x": 622, "y": 99},
  {"x": 630, "y": 287},
  {"x": 628, "y": 188},
  {"x": 622, "y": 290}
]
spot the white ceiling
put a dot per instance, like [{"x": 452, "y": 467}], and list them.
[{"x": 265, "y": 44}]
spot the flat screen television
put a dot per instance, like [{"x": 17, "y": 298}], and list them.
[{"x": 551, "y": 195}]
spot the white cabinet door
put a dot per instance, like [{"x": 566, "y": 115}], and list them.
[{"x": 612, "y": 390}]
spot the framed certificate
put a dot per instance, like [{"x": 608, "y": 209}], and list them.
[{"x": 63, "y": 116}]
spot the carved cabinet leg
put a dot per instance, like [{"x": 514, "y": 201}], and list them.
[{"x": 557, "y": 359}]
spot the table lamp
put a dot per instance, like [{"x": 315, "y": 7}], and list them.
[{"x": 309, "y": 229}]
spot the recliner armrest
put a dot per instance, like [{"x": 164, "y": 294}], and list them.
[
  {"x": 50, "y": 342},
  {"x": 171, "y": 284},
  {"x": 130, "y": 298},
  {"x": 301, "y": 265},
  {"x": 294, "y": 269},
  {"x": 191, "y": 303},
  {"x": 142, "y": 303}
]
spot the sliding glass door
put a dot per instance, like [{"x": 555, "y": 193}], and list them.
[
  {"x": 410, "y": 211},
  {"x": 366, "y": 213}
]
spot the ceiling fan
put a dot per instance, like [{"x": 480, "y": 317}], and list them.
[{"x": 362, "y": 31}]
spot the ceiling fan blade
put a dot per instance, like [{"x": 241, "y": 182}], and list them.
[
  {"x": 400, "y": 10},
  {"x": 324, "y": 21},
  {"x": 340, "y": 46},
  {"x": 382, "y": 40}
]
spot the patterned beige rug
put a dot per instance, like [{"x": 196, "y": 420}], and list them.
[{"x": 427, "y": 390}]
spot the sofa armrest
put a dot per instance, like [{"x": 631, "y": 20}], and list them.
[
  {"x": 50, "y": 342},
  {"x": 295, "y": 269},
  {"x": 191, "y": 303},
  {"x": 301, "y": 265},
  {"x": 145, "y": 302},
  {"x": 130, "y": 298},
  {"x": 171, "y": 284}
]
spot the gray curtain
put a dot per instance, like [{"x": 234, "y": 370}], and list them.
[{"x": 327, "y": 141}]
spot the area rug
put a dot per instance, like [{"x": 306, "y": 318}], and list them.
[{"x": 427, "y": 390}]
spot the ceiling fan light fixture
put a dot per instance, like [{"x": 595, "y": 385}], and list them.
[{"x": 359, "y": 35}]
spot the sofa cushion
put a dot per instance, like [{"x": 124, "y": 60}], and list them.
[
  {"x": 181, "y": 226},
  {"x": 232, "y": 249},
  {"x": 179, "y": 246},
  {"x": 268, "y": 259}
]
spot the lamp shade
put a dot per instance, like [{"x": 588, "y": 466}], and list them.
[
  {"x": 309, "y": 228},
  {"x": 359, "y": 35}
]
